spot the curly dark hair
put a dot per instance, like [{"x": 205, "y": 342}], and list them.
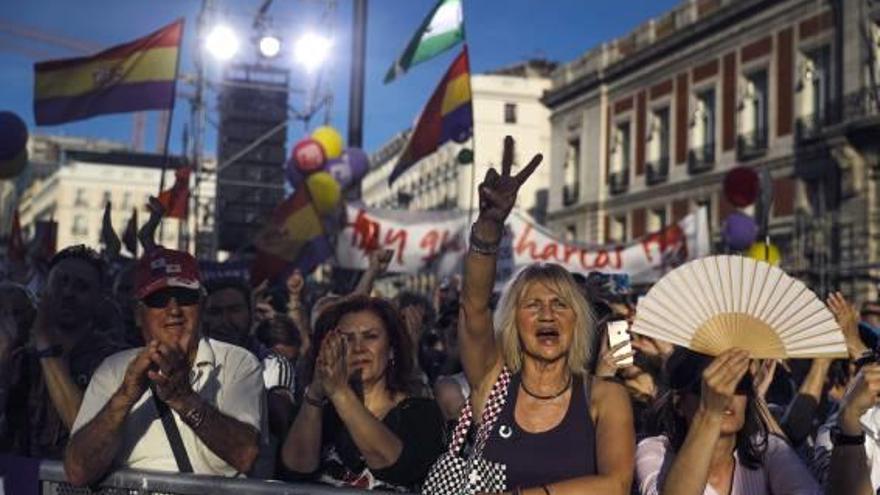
[
  {"x": 83, "y": 253},
  {"x": 400, "y": 374}
]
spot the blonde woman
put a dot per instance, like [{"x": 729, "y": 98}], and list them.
[{"x": 552, "y": 428}]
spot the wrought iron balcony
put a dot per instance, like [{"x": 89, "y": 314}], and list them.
[
  {"x": 810, "y": 126},
  {"x": 701, "y": 159},
  {"x": 619, "y": 181},
  {"x": 657, "y": 171},
  {"x": 751, "y": 145}
]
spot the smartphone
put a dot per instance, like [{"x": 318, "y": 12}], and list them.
[{"x": 618, "y": 331}]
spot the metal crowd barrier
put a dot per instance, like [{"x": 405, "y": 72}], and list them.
[{"x": 130, "y": 482}]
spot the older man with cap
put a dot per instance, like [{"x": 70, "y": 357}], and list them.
[{"x": 182, "y": 403}]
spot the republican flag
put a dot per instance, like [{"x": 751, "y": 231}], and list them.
[
  {"x": 448, "y": 116},
  {"x": 294, "y": 238},
  {"x": 176, "y": 200},
  {"x": 135, "y": 76},
  {"x": 442, "y": 29}
]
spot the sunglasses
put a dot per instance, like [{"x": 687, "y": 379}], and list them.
[{"x": 160, "y": 299}]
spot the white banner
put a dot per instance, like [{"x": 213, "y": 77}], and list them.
[{"x": 435, "y": 241}]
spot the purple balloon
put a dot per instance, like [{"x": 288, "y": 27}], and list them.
[
  {"x": 13, "y": 135},
  {"x": 740, "y": 231},
  {"x": 349, "y": 168},
  {"x": 358, "y": 161}
]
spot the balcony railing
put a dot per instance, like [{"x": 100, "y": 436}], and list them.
[
  {"x": 701, "y": 159},
  {"x": 570, "y": 194},
  {"x": 657, "y": 171},
  {"x": 810, "y": 126},
  {"x": 619, "y": 181},
  {"x": 751, "y": 145}
]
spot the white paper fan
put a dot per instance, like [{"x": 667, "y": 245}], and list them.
[{"x": 716, "y": 303}]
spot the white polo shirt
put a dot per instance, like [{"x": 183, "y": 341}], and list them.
[{"x": 224, "y": 375}]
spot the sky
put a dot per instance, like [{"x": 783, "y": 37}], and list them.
[{"x": 499, "y": 33}]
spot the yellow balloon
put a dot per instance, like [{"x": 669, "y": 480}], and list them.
[
  {"x": 325, "y": 192},
  {"x": 330, "y": 140},
  {"x": 769, "y": 253}
]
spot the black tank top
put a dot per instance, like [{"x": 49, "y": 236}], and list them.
[{"x": 533, "y": 459}]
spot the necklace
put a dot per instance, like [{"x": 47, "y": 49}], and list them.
[{"x": 522, "y": 384}]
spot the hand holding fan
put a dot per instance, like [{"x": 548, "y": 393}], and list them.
[{"x": 716, "y": 303}]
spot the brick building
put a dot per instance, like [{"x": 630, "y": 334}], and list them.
[{"x": 645, "y": 127}]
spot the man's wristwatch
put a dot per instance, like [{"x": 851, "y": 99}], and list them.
[
  {"x": 52, "y": 351},
  {"x": 838, "y": 437},
  {"x": 195, "y": 416}
]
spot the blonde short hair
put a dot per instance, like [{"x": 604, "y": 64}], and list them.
[{"x": 560, "y": 281}]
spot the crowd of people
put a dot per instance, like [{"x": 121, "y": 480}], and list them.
[{"x": 151, "y": 365}]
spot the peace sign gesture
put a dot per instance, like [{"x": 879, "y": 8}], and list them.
[{"x": 498, "y": 192}]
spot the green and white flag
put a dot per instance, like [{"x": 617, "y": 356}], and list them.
[{"x": 440, "y": 31}]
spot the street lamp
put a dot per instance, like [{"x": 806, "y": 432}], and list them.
[
  {"x": 311, "y": 50},
  {"x": 270, "y": 46},
  {"x": 222, "y": 42}
]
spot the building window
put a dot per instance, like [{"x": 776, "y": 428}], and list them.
[
  {"x": 510, "y": 113},
  {"x": 753, "y": 116},
  {"x": 126, "y": 201},
  {"x": 620, "y": 158},
  {"x": 657, "y": 219},
  {"x": 80, "y": 226},
  {"x": 702, "y": 153},
  {"x": 618, "y": 229},
  {"x": 571, "y": 233},
  {"x": 706, "y": 203},
  {"x": 571, "y": 171},
  {"x": 814, "y": 92},
  {"x": 80, "y": 198},
  {"x": 658, "y": 146}
]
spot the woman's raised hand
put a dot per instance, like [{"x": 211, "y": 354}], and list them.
[
  {"x": 498, "y": 192},
  {"x": 720, "y": 380},
  {"x": 331, "y": 368}
]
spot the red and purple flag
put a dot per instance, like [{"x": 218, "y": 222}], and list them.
[
  {"x": 176, "y": 200},
  {"x": 138, "y": 75},
  {"x": 448, "y": 116}
]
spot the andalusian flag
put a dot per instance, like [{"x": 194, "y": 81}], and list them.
[
  {"x": 448, "y": 116},
  {"x": 440, "y": 31},
  {"x": 135, "y": 76}
]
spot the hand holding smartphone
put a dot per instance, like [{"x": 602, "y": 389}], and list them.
[{"x": 618, "y": 332}]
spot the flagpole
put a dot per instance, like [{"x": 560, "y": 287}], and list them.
[
  {"x": 165, "y": 153},
  {"x": 473, "y": 181}
]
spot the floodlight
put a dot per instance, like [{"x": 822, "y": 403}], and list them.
[
  {"x": 311, "y": 50},
  {"x": 222, "y": 42}
]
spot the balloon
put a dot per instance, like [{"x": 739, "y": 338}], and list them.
[
  {"x": 740, "y": 230},
  {"x": 13, "y": 167},
  {"x": 759, "y": 251},
  {"x": 741, "y": 186},
  {"x": 330, "y": 140},
  {"x": 13, "y": 136},
  {"x": 358, "y": 161},
  {"x": 340, "y": 170},
  {"x": 308, "y": 155},
  {"x": 325, "y": 192},
  {"x": 293, "y": 174},
  {"x": 349, "y": 168}
]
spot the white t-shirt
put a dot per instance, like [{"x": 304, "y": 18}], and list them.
[
  {"x": 782, "y": 472},
  {"x": 226, "y": 376}
]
